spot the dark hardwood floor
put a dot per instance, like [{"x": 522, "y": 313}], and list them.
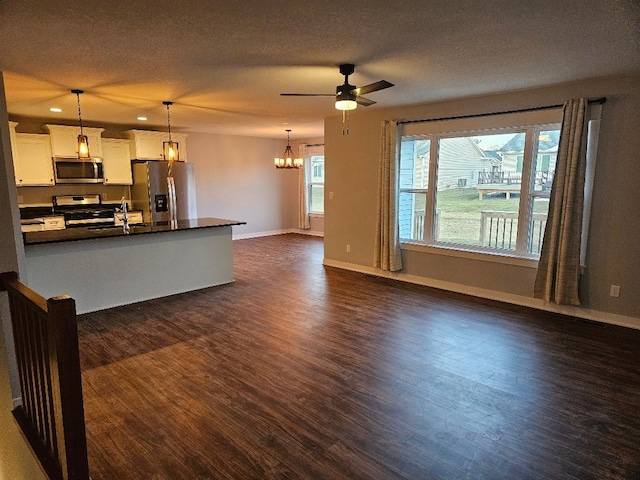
[{"x": 302, "y": 371}]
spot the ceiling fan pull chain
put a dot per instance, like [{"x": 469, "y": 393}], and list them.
[{"x": 345, "y": 122}]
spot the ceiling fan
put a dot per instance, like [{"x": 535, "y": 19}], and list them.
[{"x": 348, "y": 97}]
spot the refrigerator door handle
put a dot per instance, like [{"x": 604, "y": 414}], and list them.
[{"x": 171, "y": 186}]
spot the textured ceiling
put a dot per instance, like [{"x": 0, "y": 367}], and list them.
[{"x": 224, "y": 64}]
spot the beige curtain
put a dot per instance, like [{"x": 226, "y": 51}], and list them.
[
  {"x": 387, "y": 255},
  {"x": 559, "y": 267},
  {"x": 304, "y": 222}
]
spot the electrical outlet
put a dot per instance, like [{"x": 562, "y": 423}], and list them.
[
  {"x": 348, "y": 248},
  {"x": 330, "y": 195},
  {"x": 615, "y": 291}
]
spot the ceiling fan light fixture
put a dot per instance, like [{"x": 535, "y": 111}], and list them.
[
  {"x": 346, "y": 101},
  {"x": 346, "y": 105},
  {"x": 347, "y": 96},
  {"x": 288, "y": 159},
  {"x": 83, "y": 141}
]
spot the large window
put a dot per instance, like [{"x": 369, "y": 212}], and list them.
[
  {"x": 479, "y": 189},
  {"x": 315, "y": 164}
]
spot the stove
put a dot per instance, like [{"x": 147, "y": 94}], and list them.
[{"x": 83, "y": 210}]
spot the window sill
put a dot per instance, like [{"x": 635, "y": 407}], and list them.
[
  {"x": 458, "y": 252},
  {"x": 316, "y": 215}
]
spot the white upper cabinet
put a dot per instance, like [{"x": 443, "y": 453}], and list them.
[
  {"x": 64, "y": 140},
  {"x": 116, "y": 162},
  {"x": 32, "y": 161},
  {"x": 12, "y": 139},
  {"x": 148, "y": 145}
]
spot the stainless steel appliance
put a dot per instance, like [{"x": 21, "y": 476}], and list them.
[
  {"x": 76, "y": 170},
  {"x": 83, "y": 210},
  {"x": 159, "y": 198}
]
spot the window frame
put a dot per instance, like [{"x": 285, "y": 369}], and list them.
[
  {"x": 316, "y": 152},
  {"x": 532, "y": 125}
]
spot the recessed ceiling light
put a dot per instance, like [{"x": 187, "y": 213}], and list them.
[
  {"x": 142, "y": 119},
  {"x": 55, "y": 109}
]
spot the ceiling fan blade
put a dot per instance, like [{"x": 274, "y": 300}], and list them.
[
  {"x": 307, "y": 94},
  {"x": 365, "y": 102},
  {"x": 373, "y": 87}
]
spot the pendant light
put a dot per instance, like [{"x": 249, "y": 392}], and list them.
[
  {"x": 83, "y": 141},
  {"x": 288, "y": 160},
  {"x": 170, "y": 149}
]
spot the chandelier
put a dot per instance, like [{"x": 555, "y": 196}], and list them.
[{"x": 288, "y": 160}]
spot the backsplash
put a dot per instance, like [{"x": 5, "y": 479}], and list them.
[{"x": 42, "y": 195}]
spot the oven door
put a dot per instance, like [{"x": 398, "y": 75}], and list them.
[{"x": 75, "y": 170}]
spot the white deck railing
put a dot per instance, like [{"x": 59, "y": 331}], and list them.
[
  {"x": 513, "y": 178},
  {"x": 497, "y": 229}
]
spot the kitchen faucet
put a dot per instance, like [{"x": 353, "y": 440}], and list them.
[{"x": 125, "y": 215}]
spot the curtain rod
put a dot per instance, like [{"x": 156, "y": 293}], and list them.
[
  {"x": 313, "y": 144},
  {"x": 595, "y": 101}
]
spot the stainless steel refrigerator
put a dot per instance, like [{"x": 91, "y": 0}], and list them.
[{"x": 151, "y": 191}]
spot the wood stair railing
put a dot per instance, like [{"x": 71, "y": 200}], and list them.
[{"x": 52, "y": 412}]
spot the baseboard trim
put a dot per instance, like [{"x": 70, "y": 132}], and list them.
[
  {"x": 308, "y": 232},
  {"x": 259, "y": 234},
  {"x": 277, "y": 232},
  {"x": 585, "y": 313}
]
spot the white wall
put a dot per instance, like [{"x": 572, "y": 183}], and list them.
[{"x": 236, "y": 179}]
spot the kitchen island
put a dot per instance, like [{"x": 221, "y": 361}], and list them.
[{"x": 106, "y": 267}]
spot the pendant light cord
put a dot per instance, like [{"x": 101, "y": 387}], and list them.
[
  {"x": 78, "y": 92},
  {"x": 168, "y": 120}
]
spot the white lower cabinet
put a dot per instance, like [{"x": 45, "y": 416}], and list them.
[
  {"x": 116, "y": 162},
  {"x": 32, "y": 160}
]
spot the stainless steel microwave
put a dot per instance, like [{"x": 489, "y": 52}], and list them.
[{"x": 76, "y": 170}]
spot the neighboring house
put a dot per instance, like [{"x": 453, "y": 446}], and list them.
[
  {"x": 460, "y": 160},
  {"x": 513, "y": 152}
]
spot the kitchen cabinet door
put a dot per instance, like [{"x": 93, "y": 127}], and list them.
[
  {"x": 12, "y": 139},
  {"x": 148, "y": 145},
  {"x": 32, "y": 160},
  {"x": 116, "y": 162},
  {"x": 64, "y": 140}
]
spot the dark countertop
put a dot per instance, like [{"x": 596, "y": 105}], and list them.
[{"x": 87, "y": 233}]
